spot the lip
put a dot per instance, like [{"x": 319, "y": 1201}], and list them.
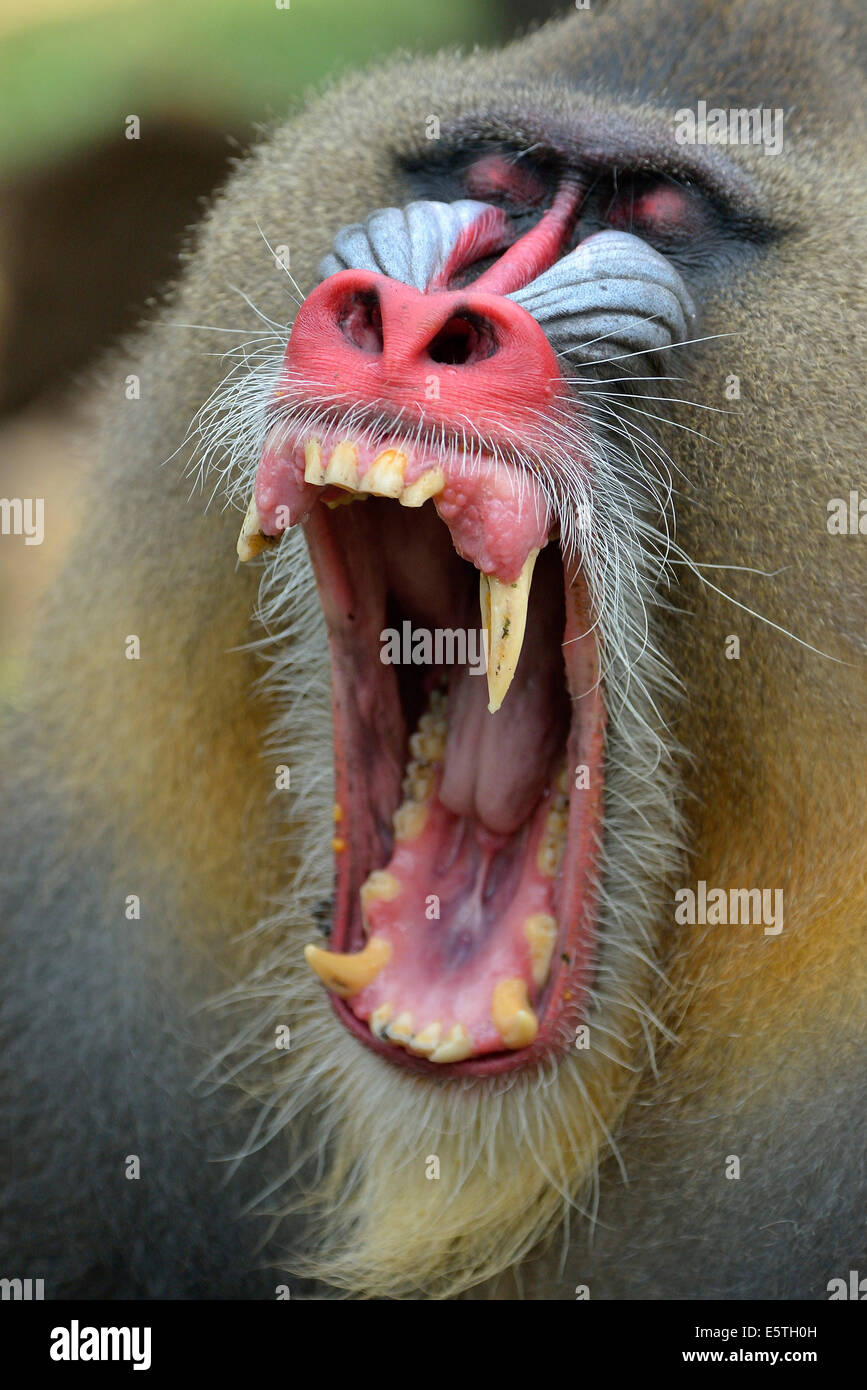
[{"x": 359, "y": 786}]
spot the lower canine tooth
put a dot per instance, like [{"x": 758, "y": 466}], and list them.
[
  {"x": 342, "y": 468},
  {"x": 540, "y": 932},
  {"x": 456, "y": 1047},
  {"x": 251, "y": 541},
  {"x": 428, "y": 485},
  {"x": 313, "y": 470},
  {"x": 513, "y": 1018},
  {"x": 504, "y": 616},
  {"x": 385, "y": 474},
  {"x": 349, "y": 973}
]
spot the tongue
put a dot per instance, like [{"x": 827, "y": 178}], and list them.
[{"x": 496, "y": 765}]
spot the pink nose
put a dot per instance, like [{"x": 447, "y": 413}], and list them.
[{"x": 459, "y": 355}]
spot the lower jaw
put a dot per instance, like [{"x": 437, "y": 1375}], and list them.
[{"x": 373, "y": 720}]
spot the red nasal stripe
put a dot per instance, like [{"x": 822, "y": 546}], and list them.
[
  {"x": 490, "y": 232},
  {"x": 533, "y": 253}
]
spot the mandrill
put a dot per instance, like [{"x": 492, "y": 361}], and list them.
[{"x": 338, "y": 962}]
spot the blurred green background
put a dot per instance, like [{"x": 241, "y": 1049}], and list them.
[
  {"x": 87, "y": 234},
  {"x": 69, "y": 71}
]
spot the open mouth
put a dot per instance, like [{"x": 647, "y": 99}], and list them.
[
  {"x": 468, "y": 812},
  {"x": 468, "y": 735}
]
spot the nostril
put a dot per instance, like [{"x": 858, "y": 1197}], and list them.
[
  {"x": 462, "y": 340},
  {"x": 360, "y": 320}
]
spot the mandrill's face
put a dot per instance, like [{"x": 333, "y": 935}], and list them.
[
  {"x": 508, "y": 444},
  {"x": 438, "y": 430}
]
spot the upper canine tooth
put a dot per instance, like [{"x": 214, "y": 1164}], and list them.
[
  {"x": 342, "y": 467},
  {"x": 251, "y": 541},
  {"x": 313, "y": 470},
  {"x": 428, "y": 485},
  {"x": 504, "y": 616},
  {"x": 347, "y": 973},
  {"x": 385, "y": 474},
  {"x": 513, "y": 1017}
]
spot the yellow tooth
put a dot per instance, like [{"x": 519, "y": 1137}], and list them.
[
  {"x": 428, "y": 745},
  {"x": 379, "y": 1020},
  {"x": 385, "y": 475},
  {"x": 344, "y": 500},
  {"x": 409, "y": 820},
  {"x": 342, "y": 468},
  {"x": 418, "y": 782},
  {"x": 428, "y": 485},
  {"x": 549, "y": 857},
  {"x": 349, "y": 973},
  {"x": 380, "y": 886},
  {"x": 540, "y": 931},
  {"x": 504, "y": 615},
  {"x": 513, "y": 1018},
  {"x": 251, "y": 542},
  {"x": 313, "y": 470},
  {"x": 434, "y": 722},
  {"x": 456, "y": 1047},
  {"x": 556, "y": 822},
  {"x": 427, "y": 1041},
  {"x": 401, "y": 1030},
  {"x": 553, "y": 841}
]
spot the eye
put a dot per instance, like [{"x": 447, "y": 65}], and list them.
[
  {"x": 496, "y": 178},
  {"x": 655, "y": 209}
]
